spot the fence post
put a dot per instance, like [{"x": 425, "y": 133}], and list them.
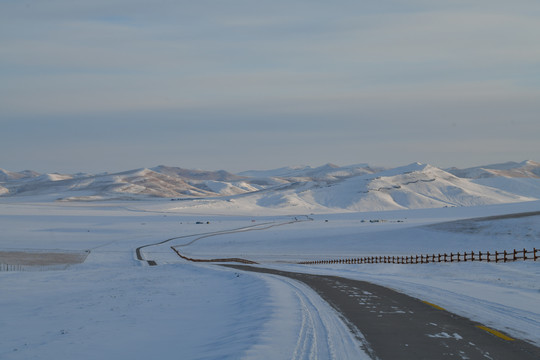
[
  {"x": 534, "y": 254},
  {"x": 465, "y": 256},
  {"x": 472, "y": 255},
  {"x": 515, "y": 255},
  {"x": 480, "y": 255},
  {"x": 505, "y": 254},
  {"x": 496, "y": 256},
  {"x": 451, "y": 257}
]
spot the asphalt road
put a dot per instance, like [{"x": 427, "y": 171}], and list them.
[
  {"x": 398, "y": 326},
  {"x": 200, "y": 236}
]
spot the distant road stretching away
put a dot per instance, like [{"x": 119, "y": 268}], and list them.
[
  {"x": 398, "y": 326},
  {"x": 197, "y": 237}
]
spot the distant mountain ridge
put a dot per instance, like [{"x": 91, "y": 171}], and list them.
[
  {"x": 353, "y": 188},
  {"x": 518, "y": 178},
  {"x": 525, "y": 169}
]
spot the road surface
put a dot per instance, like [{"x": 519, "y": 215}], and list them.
[{"x": 398, "y": 326}]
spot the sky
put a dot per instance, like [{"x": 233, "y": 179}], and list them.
[{"x": 212, "y": 84}]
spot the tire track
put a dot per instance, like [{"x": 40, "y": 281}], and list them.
[{"x": 398, "y": 326}]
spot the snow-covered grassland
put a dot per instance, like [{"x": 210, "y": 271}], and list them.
[{"x": 114, "y": 306}]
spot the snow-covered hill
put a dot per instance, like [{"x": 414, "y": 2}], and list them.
[
  {"x": 409, "y": 187},
  {"x": 6, "y": 175},
  {"x": 518, "y": 178},
  {"x": 525, "y": 169},
  {"x": 328, "y": 172},
  {"x": 158, "y": 182},
  {"x": 325, "y": 188}
]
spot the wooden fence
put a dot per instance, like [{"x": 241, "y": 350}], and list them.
[
  {"x": 19, "y": 267},
  {"x": 496, "y": 256},
  {"x": 239, "y": 260}
]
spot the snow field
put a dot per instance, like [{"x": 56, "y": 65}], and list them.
[
  {"x": 114, "y": 306},
  {"x": 304, "y": 323}
]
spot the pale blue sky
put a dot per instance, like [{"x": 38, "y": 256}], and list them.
[{"x": 114, "y": 85}]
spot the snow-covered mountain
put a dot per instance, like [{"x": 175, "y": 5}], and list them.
[
  {"x": 6, "y": 175},
  {"x": 161, "y": 181},
  {"x": 409, "y": 187},
  {"x": 525, "y": 169},
  {"x": 519, "y": 178},
  {"x": 328, "y": 172},
  {"x": 328, "y": 187}
]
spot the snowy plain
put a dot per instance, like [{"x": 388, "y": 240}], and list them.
[{"x": 114, "y": 306}]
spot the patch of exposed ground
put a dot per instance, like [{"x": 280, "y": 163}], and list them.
[{"x": 45, "y": 258}]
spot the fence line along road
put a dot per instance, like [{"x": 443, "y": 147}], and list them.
[
  {"x": 237, "y": 260},
  {"x": 496, "y": 256}
]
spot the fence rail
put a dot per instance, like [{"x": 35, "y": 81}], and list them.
[
  {"x": 487, "y": 256},
  {"x": 21, "y": 267},
  {"x": 243, "y": 261}
]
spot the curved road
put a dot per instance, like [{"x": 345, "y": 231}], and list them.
[
  {"x": 398, "y": 326},
  {"x": 261, "y": 226}
]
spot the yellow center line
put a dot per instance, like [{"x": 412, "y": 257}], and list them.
[
  {"x": 435, "y": 306},
  {"x": 495, "y": 332}
]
